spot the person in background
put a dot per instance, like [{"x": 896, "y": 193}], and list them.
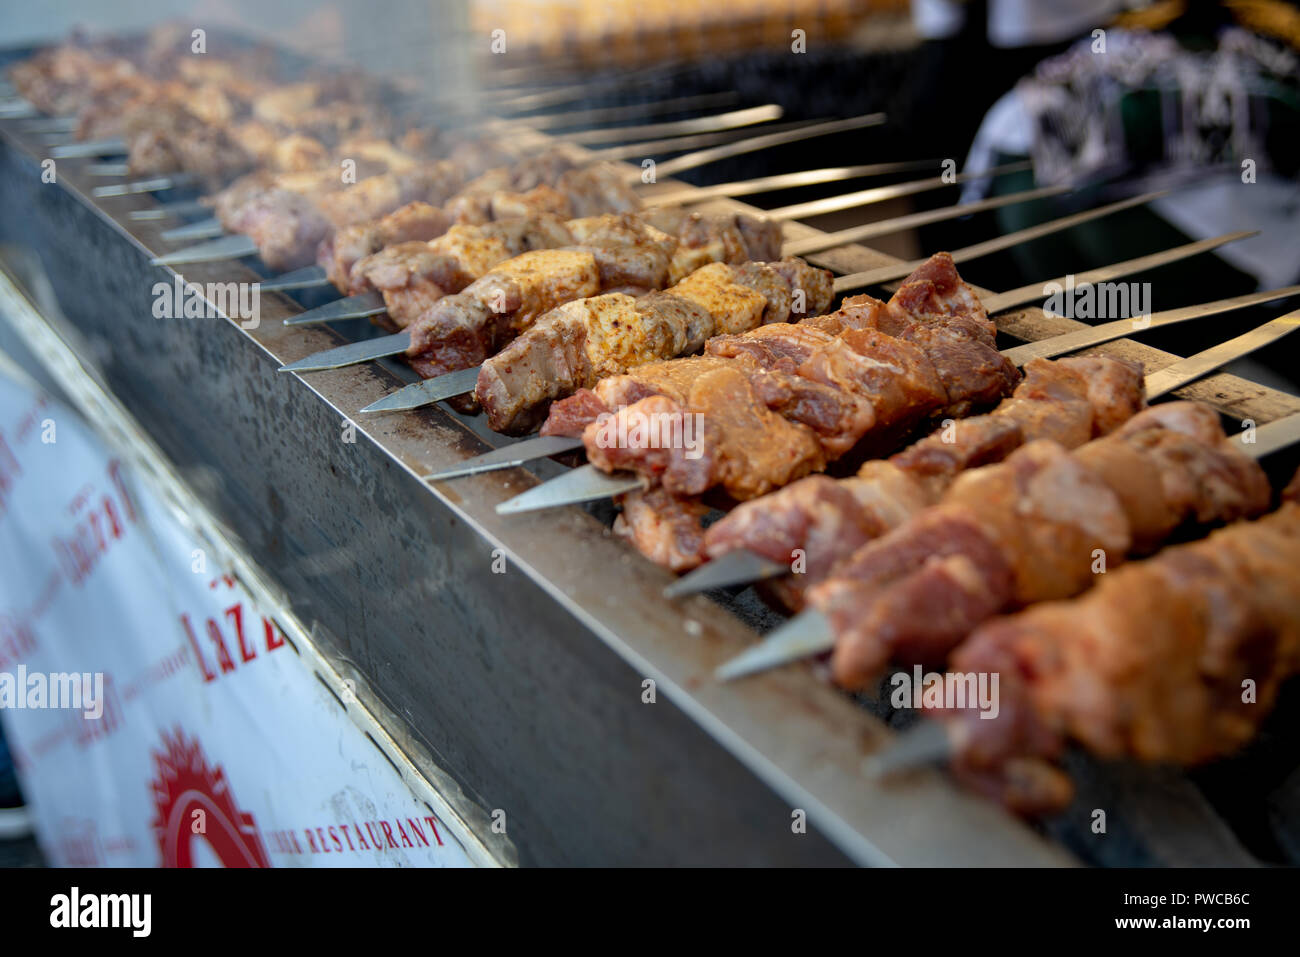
[{"x": 975, "y": 50}]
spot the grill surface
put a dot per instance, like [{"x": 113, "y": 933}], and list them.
[{"x": 527, "y": 687}]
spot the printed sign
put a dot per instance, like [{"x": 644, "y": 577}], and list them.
[{"x": 157, "y": 717}]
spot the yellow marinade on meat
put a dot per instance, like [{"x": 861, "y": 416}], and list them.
[
  {"x": 545, "y": 278},
  {"x": 621, "y": 335},
  {"x": 476, "y": 249},
  {"x": 734, "y": 308}
]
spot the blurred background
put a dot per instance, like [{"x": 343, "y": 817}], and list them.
[{"x": 1107, "y": 95}]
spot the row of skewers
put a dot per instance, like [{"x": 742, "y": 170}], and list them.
[{"x": 548, "y": 294}]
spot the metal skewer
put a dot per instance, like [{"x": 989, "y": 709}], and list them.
[
  {"x": 609, "y": 114},
  {"x": 219, "y": 250},
  {"x": 702, "y": 158},
  {"x": 926, "y": 743},
  {"x": 676, "y": 144},
  {"x": 13, "y": 109},
  {"x": 183, "y": 207},
  {"x": 735, "y": 119},
  {"x": 202, "y": 229},
  {"x": 884, "y": 227},
  {"x": 359, "y": 306},
  {"x": 584, "y": 484},
  {"x": 154, "y": 184},
  {"x": 508, "y": 456},
  {"x": 873, "y": 277},
  {"x": 109, "y": 147},
  {"x": 879, "y": 194},
  {"x": 765, "y": 184},
  {"x": 304, "y": 278},
  {"x": 315, "y": 275},
  {"x": 567, "y": 93},
  {"x": 354, "y": 352},
  {"x": 51, "y": 124}
]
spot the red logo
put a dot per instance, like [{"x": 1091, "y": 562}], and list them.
[{"x": 194, "y": 804}]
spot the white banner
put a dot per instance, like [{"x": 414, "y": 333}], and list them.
[{"x": 157, "y": 717}]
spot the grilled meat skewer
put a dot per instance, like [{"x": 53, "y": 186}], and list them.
[
  {"x": 871, "y": 371},
  {"x": 825, "y": 520},
  {"x": 1150, "y": 665},
  {"x": 1032, "y": 528},
  {"x": 463, "y": 330},
  {"x": 583, "y": 342},
  {"x": 293, "y": 220},
  {"x": 485, "y": 223}
]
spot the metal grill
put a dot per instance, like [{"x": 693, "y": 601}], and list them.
[{"x": 527, "y": 687}]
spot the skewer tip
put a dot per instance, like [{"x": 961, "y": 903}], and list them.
[
  {"x": 807, "y": 633},
  {"x": 584, "y": 484},
  {"x": 734, "y": 568},
  {"x": 508, "y": 456},
  {"x": 928, "y": 743}
]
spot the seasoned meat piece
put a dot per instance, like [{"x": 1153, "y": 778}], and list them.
[
  {"x": 295, "y": 152},
  {"x": 780, "y": 347},
  {"x": 711, "y": 237},
  {"x": 411, "y": 277},
  {"x": 476, "y": 208},
  {"x": 962, "y": 444},
  {"x": 814, "y": 288},
  {"x": 572, "y": 416},
  {"x": 574, "y": 346},
  {"x": 629, "y": 267},
  {"x": 895, "y": 376},
  {"x": 821, "y": 517},
  {"x": 934, "y": 288},
  {"x": 285, "y": 226},
  {"x": 1049, "y": 513},
  {"x": 340, "y": 252},
  {"x": 974, "y": 374},
  {"x": 597, "y": 188},
  {"x": 838, "y": 418},
  {"x": 370, "y": 198},
  {"x": 1198, "y": 477},
  {"x": 856, "y": 312},
  {"x": 462, "y": 330},
  {"x": 1149, "y": 665},
  {"x": 729, "y": 438},
  {"x": 665, "y": 529},
  {"x": 584, "y": 342},
  {"x": 1055, "y": 402},
  {"x": 229, "y": 204},
  {"x": 941, "y": 569}
]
